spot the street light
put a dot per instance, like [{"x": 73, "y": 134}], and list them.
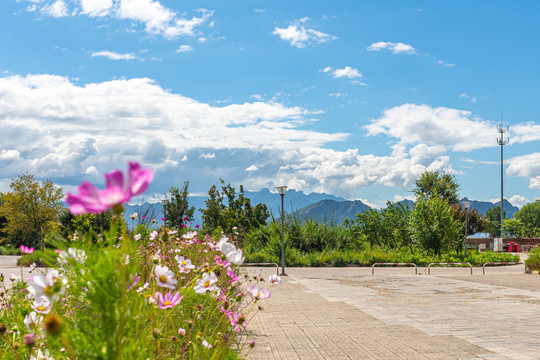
[
  {"x": 164, "y": 201},
  {"x": 466, "y": 204},
  {"x": 282, "y": 190}
]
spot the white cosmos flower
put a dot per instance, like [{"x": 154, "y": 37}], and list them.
[
  {"x": 206, "y": 283},
  {"x": 184, "y": 264},
  {"x": 233, "y": 255},
  {"x": 48, "y": 285},
  {"x": 165, "y": 277},
  {"x": 274, "y": 279},
  {"x": 32, "y": 320},
  {"x": 258, "y": 293},
  {"x": 42, "y": 305}
]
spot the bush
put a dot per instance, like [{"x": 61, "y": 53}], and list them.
[
  {"x": 9, "y": 250},
  {"x": 533, "y": 261}
]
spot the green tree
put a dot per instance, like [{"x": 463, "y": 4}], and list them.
[
  {"x": 493, "y": 216},
  {"x": 84, "y": 224},
  {"x": 436, "y": 184},
  {"x": 514, "y": 228},
  {"x": 238, "y": 215},
  {"x": 387, "y": 227},
  {"x": 177, "y": 210},
  {"x": 476, "y": 223},
  {"x": 31, "y": 208},
  {"x": 433, "y": 226},
  {"x": 529, "y": 215},
  {"x": 3, "y": 221}
]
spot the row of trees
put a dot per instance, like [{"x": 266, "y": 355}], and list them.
[{"x": 33, "y": 209}]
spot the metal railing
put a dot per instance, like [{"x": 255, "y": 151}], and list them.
[
  {"x": 443, "y": 264},
  {"x": 394, "y": 264},
  {"x": 263, "y": 264},
  {"x": 497, "y": 263}
]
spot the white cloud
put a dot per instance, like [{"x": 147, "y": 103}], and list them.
[
  {"x": 526, "y": 166},
  {"x": 96, "y": 7},
  {"x": 413, "y": 124},
  {"x": 446, "y": 64},
  {"x": 338, "y": 95},
  {"x": 518, "y": 200},
  {"x": 471, "y": 99},
  {"x": 202, "y": 40},
  {"x": 207, "y": 156},
  {"x": 156, "y": 18},
  {"x": 183, "y": 48},
  {"x": 113, "y": 55},
  {"x": 396, "y": 48},
  {"x": 347, "y": 72},
  {"x": 56, "y": 9},
  {"x": 298, "y": 35},
  {"x": 55, "y": 128}
]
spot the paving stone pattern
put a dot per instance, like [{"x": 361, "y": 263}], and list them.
[{"x": 338, "y": 314}]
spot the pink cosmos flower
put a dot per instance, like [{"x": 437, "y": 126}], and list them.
[
  {"x": 26, "y": 250},
  {"x": 92, "y": 200},
  {"x": 168, "y": 301},
  {"x": 185, "y": 218},
  {"x": 197, "y": 226},
  {"x": 258, "y": 293}
]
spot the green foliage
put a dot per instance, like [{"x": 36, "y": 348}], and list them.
[
  {"x": 237, "y": 216},
  {"x": 106, "y": 309},
  {"x": 533, "y": 261},
  {"x": 177, "y": 211},
  {"x": 436, "y": 184},
  {"x": 493, "y": 216},
  {"x": 529, "y": 216},
  {"x": 476, "y": 223},
  {"x": 387, "y": 227},
  {"x": 9, "y": 250},
  {"x": 433, "y": 227},
  {"x": 31, "y": 209}
]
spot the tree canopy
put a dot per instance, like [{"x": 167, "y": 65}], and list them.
[
  {"x": 177, "y": 208},
  {"x": 236, "y": 213},
  {"x": 31, "y": 209},
  {"x": 436, "y": 184}
]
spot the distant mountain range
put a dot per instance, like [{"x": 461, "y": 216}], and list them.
[{"x": 316, "y": 205}]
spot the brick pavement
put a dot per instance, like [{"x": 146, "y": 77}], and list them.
[{"x": 332, "y": 313}]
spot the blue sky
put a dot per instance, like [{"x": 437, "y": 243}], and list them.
[{"x": 352, "y": 98}]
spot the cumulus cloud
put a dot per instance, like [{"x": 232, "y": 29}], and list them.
[
  {"x": 183, "y": 49},
  {"x": 395, "y": 48},
  {"x": 346, "y": 72},
  {"x": 156, "y": 18},
  {"x": 299, "y": 35},
  {"x": 113, "y": 55},
  {"x": 518, "y": 200},
  {"x": 526, "y": 166},
  {"x": 412, "y": 124},
  {"x": 56, "y": 128},
  {"x": 56, "y": 9}
]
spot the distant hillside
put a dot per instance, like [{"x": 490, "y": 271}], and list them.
[
  {"x": 293, "y": 200},
  {"x": 314, "y": 204},
  {"x": 483, "y": 206},
  {"x": 326, "y": 209}
]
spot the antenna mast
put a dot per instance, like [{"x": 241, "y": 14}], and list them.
[{"x": 502, "y": 141}]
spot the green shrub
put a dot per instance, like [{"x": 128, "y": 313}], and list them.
[
  {"x": 533, "y": 261},
  {"x": 9, "y": 250}
]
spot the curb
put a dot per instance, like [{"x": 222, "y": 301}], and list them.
[{"x": 534, "y": 272}]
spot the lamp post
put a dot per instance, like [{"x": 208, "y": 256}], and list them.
[
  {"x": 466, "y": 204},
  {"x": 282, "y": 190},
  {"x": 164, "y": 201}
]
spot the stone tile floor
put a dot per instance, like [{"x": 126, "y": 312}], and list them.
[{"x": 347, "y": 313}]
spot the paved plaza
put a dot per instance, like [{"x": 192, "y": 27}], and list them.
[{"x": 347, "y": 313}]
